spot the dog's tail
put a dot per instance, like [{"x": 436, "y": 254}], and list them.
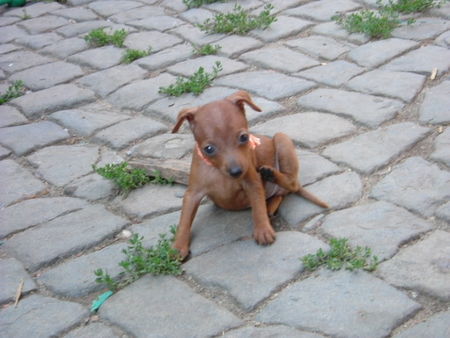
[{"x": 309, "y": 196}]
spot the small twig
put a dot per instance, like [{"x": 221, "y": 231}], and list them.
[
  {"x": 18, "y": 292},
  {"x": 433, "y": 73}
]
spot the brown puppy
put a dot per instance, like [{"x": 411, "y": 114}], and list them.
[{"x": 235, "y": 169}]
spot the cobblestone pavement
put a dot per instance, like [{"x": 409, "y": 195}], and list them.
[{"x": 370, "y": 123}]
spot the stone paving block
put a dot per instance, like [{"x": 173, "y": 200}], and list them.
[
  {"x": 166, "y": 296},
  {"x": 319, "y": 46},
  {"x": 284, "y": 26},
  {"x": 10, "y": 116},
  {"x": 109, "y": 80},
  {"x": 8, "y": 47},
  {"x": 12, "y": 274},
  {"x": 137, "y": 13},
  {"x": 415, "y": 184},
  {"x": 10, "y": 33},
  {"x": 435, "y": 326},
  {"x": 5, "y": 20},
  {"x": 35, "y": 211},
  {"x": 422, "y": 29},
  {"x": 442, "y": 11},
  {"x": 189, "y": 67},
  {"x": 443, "y": 40},
  {"x": 339, "y": 305},
  {"x": 166, "y": 57},
  {"x": 79, "y": 28},
  {"x": 309, "y": 129},
  {"x": 339, "y": 191},
  {"x": 270, "y": 109},
  {"x": 401, "y": 85},
  {"x": 61, "y": 164},
  {"x": 76, "y": 13},
  {"x": 366, "y": 109},
  {"x": 91, "y": 187},
  {"x": 332, "y": 29},
  {"x": 75, "y": 277},
  {"x": 332, "y": 74},
  {"x": 279, "y": 58},
  {"x": 442, "y": 148},
  {"x": 43, "y": 24},
  {"x": 269, "y": 84},
  {"x": 375, "y": 53},
  {"x": 124, "y": 133},
  {"x": 323, "y": 10},
  {"x": 106, "y": 8},
  {"x": 225, "y": 7},
  {"x": 249, "y": 272},
  {"x": 48, "y": 75},
  {"x": 444, "y": 211},
  {"x": 373, "y": 150},
  {"x": 25, "y": 138},
  {"x": 4, "y": 152},
  {"x": 65, "y": 48},
  {"x": 98, "y": 330},
  {"x": 381, "y": 226},
  {"x": 423, "y": 266},
  {"x": 36, "y": 9},
  {"x": 19, "y": 60},
  {"x": 140, "y": 93},
  {"x": 99, "y": 58},
  {"x": 197, "y": 15},
  {"x": 314, "y": 167},
  {"x": 422, "y": 60},
  {"x": 234, "y": 45},
  {"x": 64, "y": 236},
  {"x": 39, "y": 41},
  {"x": 165, "y": 146},
  {"x": 160, "y": 22},
  {"x": 194, "y": 35},
  {"x": 17, "y": 183},
  {"x": 435, "y": 108},
  {"x": 45, "y": 317},
  {"x": 270, "y": 331},
  {"x": 84, "y": 122},
  {"x": 48, "y": 100},
  {"x": 151, "y": 39},
  {"x": 150, "y": 230},
  {"x": 152, "y": 200}
]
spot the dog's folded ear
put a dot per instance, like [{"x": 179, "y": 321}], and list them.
[
  {"x": 241, "y": 97},
  {"x": 185, "y": 114}
]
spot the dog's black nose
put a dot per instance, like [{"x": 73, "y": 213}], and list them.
[{"x": 235, "y": 171}]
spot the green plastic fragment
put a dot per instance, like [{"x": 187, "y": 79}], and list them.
[{"x": 97, "y": 303}]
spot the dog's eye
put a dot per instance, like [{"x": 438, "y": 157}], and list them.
[
  {"x": 209, "y": 150},
  {"x": 243, "y": 138}
]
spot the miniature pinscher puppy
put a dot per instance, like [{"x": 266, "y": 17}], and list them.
[{"x": 236, "y": 169}]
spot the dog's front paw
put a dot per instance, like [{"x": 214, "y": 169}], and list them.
[
  {"x": 266, "y": 173},
  {"x": 264, "y": 235},
  {"x": 183, "y": 251}
]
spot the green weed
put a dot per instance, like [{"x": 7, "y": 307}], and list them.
[
  {"x": 134, "y": 54},
  {"x": 238, "y": 22},
  {"x": 98, "y": 37},
  {"x": 206, "y": 49},
  {"x": 15, "y": 90},
  {"x": 198, "y": 3},
  {"x": 341, "y": 255},
  {"x": 408, "y": 6},
  {"x": 195, "y": 84}
]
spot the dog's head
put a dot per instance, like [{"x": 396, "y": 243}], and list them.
[{"x": 221, "y": 132}]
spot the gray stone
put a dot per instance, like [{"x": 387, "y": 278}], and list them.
[
  {"x": 19, "y": 60},
  {"x": 424, "y": 266},
  {"x": 35, "y": 211},
  {"x": 98, "y": 330},
  {"x": 319, "y": 46},
  {"x": 165, "y": 146},
  {"x": 284, "y": 26},
  {"x": 4, "y": 152},
  {"x": 151, "y": 230},
  {"x": 375, "y": 53},
  {"x": 435, "y": 107},
  {"x": 234, "y": 45},
  {"x": 334, "y": 30},
  {"x": 160, "y": 22},
  {"x": 5, "y": 21},
  {"x": 309, "y": 129},
  {"x": 99, "y": 58},
  {"x": 415, "y": 184},
  {"x": 367, "y": 109},
  {"x": 152, "y": 200},
  {"x": 269, "y": 332},
  {"x": 106, "y": 8},
  {"x": 43, "y": 24},
  {"x": 65, "y": 48},
  {"x": 39, "y": 41},
  {"x": 8, "y": 47},
  {"x": 12, "y": 275},
  {"x": 91, "y": 187},
  {"x": 435, "y": 326},
  {"x": 166, "y": 57},
  {"x": 422, "y": 29},
  {"x": 372, "y": 150},
  {"x": 123, "y": 133},
  {"x": 380, "y": 226},
  {"x": 140, "y": 93},
  {"x": 48, "y": 75},
  {"x": 197, "y": 15},
  {"x": 314, "y": 167},
  {"x": 25, "y": 138},
  {"x": 45, "y": 317},
  {"x": 279, "y": 58},
  {"x": 76, "y": 13},
  {"x": 338, "y": 305},
  {"x": 60, "y": 97},
  {"x": 442, "y": 148},
  {"x": 401, "y": 85},
  {"x": 189, "y": 67},
  {"x": 35, "y": 9},
  {"x": 64, "y": 236},
  {"x": 339, "y": 191},
  {"x": 10, "y": 33},
  {"x": 269, "y": 84},
  {"x": 323, "y": 10},
  {"x": 422, "y": 60},
  {"x": 249, "y": 272},
  {"x": 443, "y": 40},
  {"x": 10, "y": 116},
  {"x": 151, "y": 39},
  {"x": 166, "y": 296},
  {"x": 61, "y": 164},
  {"x": 225, "y": 7},
  {"x": 332, "y": 74},
  {"x": 444, "y": 211},
  {"x": 75, "y": 278},
  {"x": 194, "y": 35},
  {"x": 86, "y": 122},
  {"x": 81, "y": 28},
  {"x": 17, "y": 183}
]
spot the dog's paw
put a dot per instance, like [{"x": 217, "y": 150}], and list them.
[
  {"x": 267, "y": 173},
  {"x": 183, "y": 253},
  {"x": 264, "y": 235}
]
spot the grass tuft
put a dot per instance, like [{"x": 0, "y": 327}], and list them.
[
  {"x": 134, "y": 54},
  {"x": 15, "y": 90},
  {"x": 198, "y": 3},
  {"x": 98, "y": 38},
  {"x": 206, "y": 49}
]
